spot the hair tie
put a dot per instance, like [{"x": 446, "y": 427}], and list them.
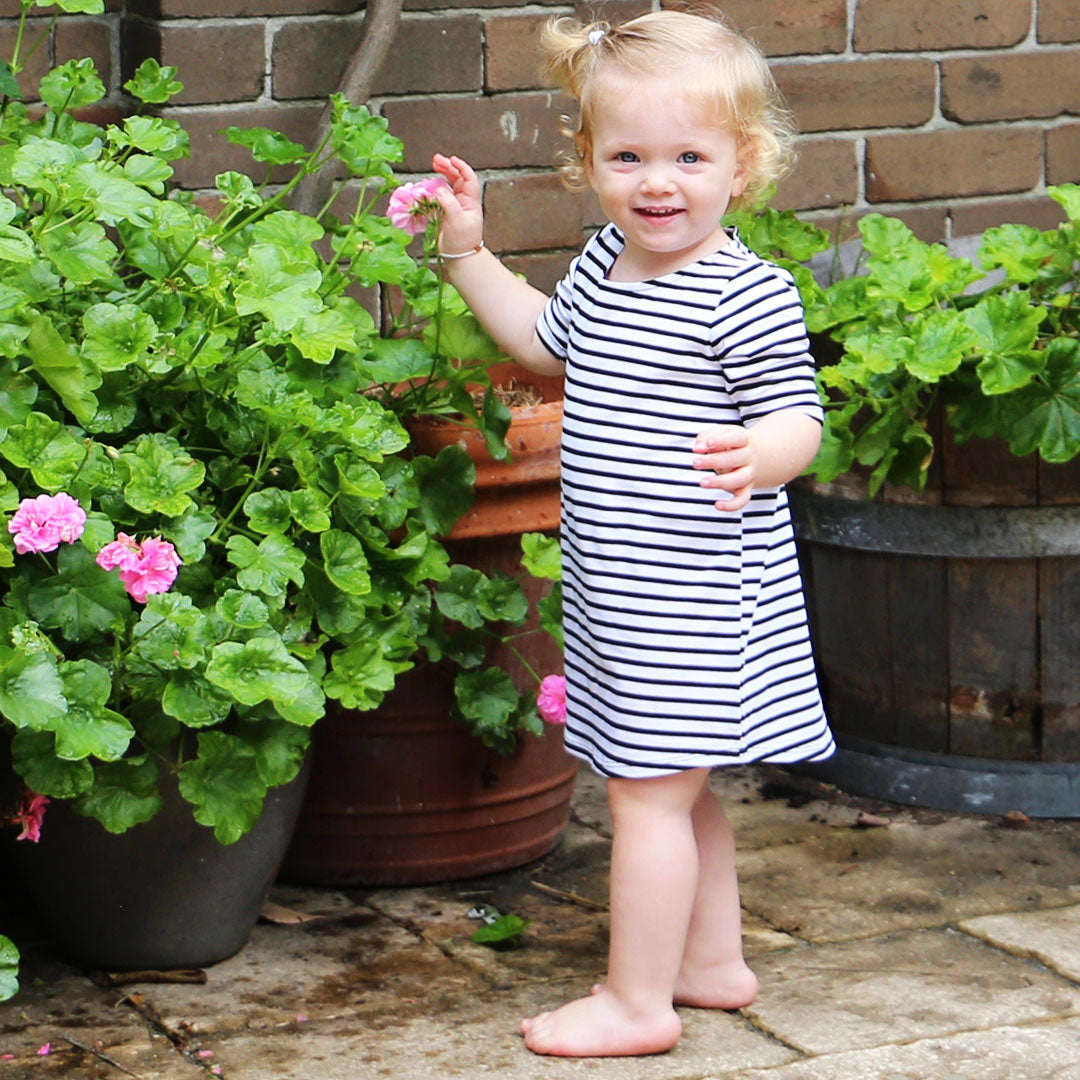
[{"x": 596, "y": 36}]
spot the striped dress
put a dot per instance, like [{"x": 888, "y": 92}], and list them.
[{"x": 686, "y": 632}]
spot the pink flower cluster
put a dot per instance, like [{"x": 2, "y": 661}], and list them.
[
  {"x": 412, "y": 206},
  {"x": 551, "y": 699},
  {"x": 30, "y": 816},
  {"x": 149, "y": 567},
  {"x": 44, "y": 523}
]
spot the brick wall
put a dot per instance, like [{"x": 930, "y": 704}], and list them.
[{"x": 955, "y": 114}]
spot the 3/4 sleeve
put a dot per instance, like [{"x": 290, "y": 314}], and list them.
[
  {"x": 759, "y": 337},
  {"x": 553, "y": 326}
]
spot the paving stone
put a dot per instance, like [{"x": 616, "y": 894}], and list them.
[
  {"x": 1035, "y": 1052},
  {"x": 1050, "y": 936},
  {"x": 849, "y": 883},
  {"x": 129, "y": 1046},
  {"x": 898, "y": 989},
  {"x": 482, "y": 1041}
]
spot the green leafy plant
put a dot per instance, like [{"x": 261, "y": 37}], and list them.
[
  {"x": 997, "y": 345},
  {"x": 9, "y": 969},
  {"x": 214, "y": 520}
]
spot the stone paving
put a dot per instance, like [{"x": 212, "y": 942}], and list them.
[{"x": 891, "y": 944}]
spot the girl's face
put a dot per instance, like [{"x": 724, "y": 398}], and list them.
[{"x": 663, "y": 172}]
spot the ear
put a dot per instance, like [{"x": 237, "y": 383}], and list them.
[{"x": 740, "y": 179}]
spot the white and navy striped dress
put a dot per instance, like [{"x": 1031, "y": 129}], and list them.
[{"x": 686, "y": 632}]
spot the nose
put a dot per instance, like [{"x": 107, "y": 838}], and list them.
[{"x": 657, "y": 180}]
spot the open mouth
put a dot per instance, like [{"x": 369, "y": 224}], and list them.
[{"x": 657, "y": 213}]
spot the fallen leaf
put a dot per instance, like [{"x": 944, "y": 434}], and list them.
[{"x": 1016, "y": 819}]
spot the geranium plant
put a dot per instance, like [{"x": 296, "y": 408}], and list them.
[
  {"x": 213, "y": 519},
  {"x": 998, "y": 344}
]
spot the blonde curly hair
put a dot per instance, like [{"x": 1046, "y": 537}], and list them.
[{"x": 715, "y": 65}]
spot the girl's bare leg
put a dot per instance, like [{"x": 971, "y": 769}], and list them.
[
  {"x": 714, "y": 974},
  {"x": 654, "y": 870}
]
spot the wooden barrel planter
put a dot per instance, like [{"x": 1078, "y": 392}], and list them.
[
  {"x": 404, "y": 794},
  {"x": 946, "y": 632}
]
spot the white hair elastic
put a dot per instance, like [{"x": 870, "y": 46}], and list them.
[{"x": 596, "y": 36}]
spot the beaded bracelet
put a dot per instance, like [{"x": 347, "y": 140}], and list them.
[{"x": 462, "y": 254}]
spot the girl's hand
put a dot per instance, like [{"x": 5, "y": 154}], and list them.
[
  {"x": 729, "y": 452},
  {"x": 462, "y": 225}
]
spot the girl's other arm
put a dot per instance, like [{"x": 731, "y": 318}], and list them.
[
  {"x": 507, "y": 307},
  {"x": 775, "y": 450}
]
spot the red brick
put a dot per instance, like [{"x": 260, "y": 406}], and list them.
[
  {"x": 511, "y": 55},
  {"x": 918, "y": 25},
  {"x": 211, "y": 153},
  {"x": 427, "y": 56},
  {"x": 79, "y": 38},
  {"x": 1011, "y": 87},
  {"x": 612, "y": 11},
  {"x": 1063, "y": 154},
  {"x": 789, "y": 27},
  {"x": 826, "y": 174},
  {"x": 530, "y": 213},
  {"x": 217, "y": 62},
  {"x": 943, "y": 164},
  {"x": 203, "y": 9},
  {"x": 543, "y": 271},
  {"x": 437, "y": 5},
  {"x": 1059, "y": 20},
  {"x": 499, "y": 132},
  {"x": 971, "y": 218},
  {"x": 38, "y": 64},
  {"x": 859, "y": 94},
  {"x": 928, "y": 223}
]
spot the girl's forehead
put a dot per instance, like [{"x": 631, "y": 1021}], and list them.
[{"x": 622, "y": 100}]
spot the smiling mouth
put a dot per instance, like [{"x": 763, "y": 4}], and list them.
[{"x": 658, "y": 213}]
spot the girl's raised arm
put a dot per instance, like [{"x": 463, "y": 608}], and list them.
[{"x": 507, "y": 306}]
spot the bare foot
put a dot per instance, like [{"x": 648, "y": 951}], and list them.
[
  {"x": 722, "y": 986},
  {"x": 601, "y": 1026}
]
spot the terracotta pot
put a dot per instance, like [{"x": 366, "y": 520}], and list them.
[
  {"x": 514, "y": 496},
  {"x": 404, "y": 795}
]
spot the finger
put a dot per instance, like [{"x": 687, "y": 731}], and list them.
[{"x": 736, "y": 500}]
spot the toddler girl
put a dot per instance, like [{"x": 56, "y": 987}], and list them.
[{"x": 689, "y": 390}]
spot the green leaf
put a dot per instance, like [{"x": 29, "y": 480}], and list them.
[
  {"x": 345, "y": 562},
  {"x": 321, "y": 336},
  {"x": 446, "y": 486},
  {"x": 266, "y": 145},
  {"x": 71, "y": 85},
  {"x": 31, "y": 690},
  {"x": 1068, "y": 197},
  {"x": 16, "y": 246},
  {"x": 223, "y": 785},
  {"x": 59, "y": 365},
  {"x": 279, "y": 748},
  {"x": 486, "y": 700},
  {"x": 940, "y": 344},
  {"x": 501, "y": 599},
  {"x": 310, "y": 509},
  {"x": 161, "y": 472},
  {"x": 81, "y": 600},
  {"x": 154, "y": 135},
  {"x": 275, "y": 284},
  {"x": 257, "y": 670},
  {"x": 171, "y": 633},
  {"x": 505, "y": 930},
  {"x": 9, "y": 87},
  {"x": 268, "y": 510},
  {"x": 541, "y": 556},
  {"x": 1045, "y": 415},
  {"x": 1005, "y": 329},
  {"x": 359, "y": 479},
  {"x": 153, "y": 83},
  {"x": 1020, "y": 250},
  {"x": 89, "y": 728},
  {"x": 84, "y": 7},
  {"x": 461, "y": 337},
  {"x": 9, "y": 955},
  {"x": 116, "y": 335},
  {"x": 456, "y": 597},
  {"x": 189, "y": 532},
  {"x": 193, "y": 701},
  {"x": 114, "y": 197},
  {"x": 33, "y": 755},
  {"x": 81, "y": 252},
  {"x": 243, "y": 609},
  {"x": 360, "y": 676},
  {"x": 123, "y": 794},
  {"x": 267, "y": 568},
  {"x": 397, "y": 360}
]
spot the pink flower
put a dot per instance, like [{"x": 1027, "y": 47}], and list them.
[
  {"x": 44, "y": 1050},
  {"x": 146, "y": 568},
  {"x": 551, "y": 700},
  {"x": 30, "y": 816},
  {"x": 412, "y": 206},
  {"x": 44, "y": 523}
]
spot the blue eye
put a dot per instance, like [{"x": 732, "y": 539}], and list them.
[
  {"x": 626, "y": 156},
  {"x": 689, "y": 157}
]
